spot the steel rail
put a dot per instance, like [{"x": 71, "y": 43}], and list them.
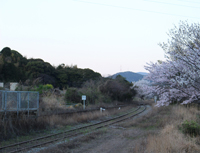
[
  {"x": 50, "y": 135},
  {"x": 76, "y": 134},
  {"x": 84, "y": 127},
  {"x": 68, "y": 131}
]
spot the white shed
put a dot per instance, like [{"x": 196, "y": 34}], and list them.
[
  {"x": 13, "y": 86},
  {"x": 1, "y": 84}
]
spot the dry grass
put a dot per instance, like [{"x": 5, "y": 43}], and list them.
[
  {"x": 155, "y": 118},
  {"x": 51, "y": 103},
  {"x": 157, "y": 132},
  {"x": 162, "y": 131},
  {"x": 171, "y": 140},
  {"x": 58, "y": 121},
  {"x": 10, "y": 128},
  {"x": 62, "y": 120}
]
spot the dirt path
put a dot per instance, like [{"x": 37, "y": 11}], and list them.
[{"x": 112, "y": 139}]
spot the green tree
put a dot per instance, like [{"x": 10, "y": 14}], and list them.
[
  {"x": 6, "y": 51},
  {"x": 10, "y": 73},
  {"x": 118, "y": 89},
  {"x": 36, "y": 67}
]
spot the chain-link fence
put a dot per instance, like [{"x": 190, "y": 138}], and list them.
[{"x": 19, "y": 101}]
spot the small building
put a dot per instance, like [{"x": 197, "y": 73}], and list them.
[
  {"x": 1, "y": 84},
  {"x": 13, "y": 86}
]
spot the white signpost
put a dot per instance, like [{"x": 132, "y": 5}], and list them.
[{"x": 83, "y": 98}]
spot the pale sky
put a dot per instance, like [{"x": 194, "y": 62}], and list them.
[{"x": 107, "y": 36}]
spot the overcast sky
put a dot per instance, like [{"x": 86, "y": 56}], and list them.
[{"x": 107, "y": 36}]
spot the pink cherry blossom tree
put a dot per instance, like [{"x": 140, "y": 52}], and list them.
[
  {"x": 143, "y": 87},
  {"x": 178, "y": 78}
]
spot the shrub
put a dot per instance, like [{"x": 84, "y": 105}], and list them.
[
  {"x": 192, "y": 128},
  {"x": 93, "y": 93},
  {"x": 72, "y": 96},
  {"x": 43, "y": 88},
  {"x": 47, "y": 86},
  {"x": 118, "y": 89}
]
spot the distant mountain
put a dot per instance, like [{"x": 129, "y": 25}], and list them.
[
  {"x": 130, "y": 76},
  {"x": 142, "y": 73}
]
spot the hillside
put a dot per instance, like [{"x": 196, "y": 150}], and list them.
[
  {"x": 16, "y": 68},
  {"x": 142, "y": 73},
  {"x": 130, "y": 76}
]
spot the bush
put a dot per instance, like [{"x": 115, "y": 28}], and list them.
[
  {"x": 192, "y": 128},
  {"x": 93, "y": 93},
  {"x": 118, "y": 89},
  {"x": 43, "y": 88},
  {"x": 72, "y": 96}
]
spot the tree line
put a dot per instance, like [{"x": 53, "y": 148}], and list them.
[{"x": 16, "y": 68}]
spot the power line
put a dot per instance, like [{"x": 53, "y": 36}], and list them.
[
  {"x": 172, "y": 4},
  {"x": 128, "y": 8}
]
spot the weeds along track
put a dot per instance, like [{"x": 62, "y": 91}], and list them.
[
  {"x": 33, "y": 114},
  {"x": 82, "y": 111},
  {"x": 13, "y": 115},
  {"x": 68, "y": 134}
]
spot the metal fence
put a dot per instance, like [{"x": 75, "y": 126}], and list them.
[{"x": 19, "y": 101}]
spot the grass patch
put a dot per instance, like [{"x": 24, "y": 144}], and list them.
[
  {"x": 168, "y": 129},
  {"x": 156, "y": 118}
]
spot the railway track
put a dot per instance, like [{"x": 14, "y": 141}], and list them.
[
  {"x": 83, "y": 111},
  {"x": 24, "y": 113},
  {"x": 52, "y": 138}
]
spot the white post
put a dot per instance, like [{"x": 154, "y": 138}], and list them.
[
  {"x": 83, "y": 104},
  {"x": 155, "y": 99},
  {"x": 28, "y": 103}
]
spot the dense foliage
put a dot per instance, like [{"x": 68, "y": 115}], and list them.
[
  {"x": 11, "y": 65},
  {"x": 190, "y": 127},
  {"x": 41, "y": 76},
  {"x": 15, "y": 67},
  {"x": 118, "y": 89},
  {"x": 104, "y": 90}
]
